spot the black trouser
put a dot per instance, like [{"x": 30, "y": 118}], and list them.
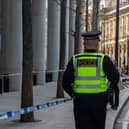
[
  {"x": 116, "y": 96},
  {"x": 90, "y": 111},
  {"x": 113, "y": 96}
]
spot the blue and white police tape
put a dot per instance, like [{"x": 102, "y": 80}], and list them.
[{"x": 11, "y": 114}]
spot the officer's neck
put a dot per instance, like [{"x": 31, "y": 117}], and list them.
[{"x": 90, "y": 50}]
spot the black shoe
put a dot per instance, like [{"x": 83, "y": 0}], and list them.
[{"x": 114, "y": 107}]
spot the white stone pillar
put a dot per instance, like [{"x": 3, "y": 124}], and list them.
[
  {"x": 1, "y": 36},
  {"x": 39, "y": 39},
  {"x": 0, "y": 23},
  {"x": 127, "y": 25},
  {"x": 53, "y": 37},
  {"x": 71, "y": 27},
  {"x": 122, "y": 55},
  {"x": 12, "y": 42},
  {"x": 0, "y": 15},
  {"x": 67, "y": 32}
]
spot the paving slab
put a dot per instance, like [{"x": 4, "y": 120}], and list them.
[{"x": 56, "y": 117}]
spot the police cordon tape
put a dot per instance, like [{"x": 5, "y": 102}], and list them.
[
  {"x": 25, "y": 110},
  {"x": 33, "y": 72}
]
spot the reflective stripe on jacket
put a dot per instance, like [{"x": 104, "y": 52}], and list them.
[{"x": 88, "y": 73}]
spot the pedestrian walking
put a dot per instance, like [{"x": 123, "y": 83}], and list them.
[{"x": 85, "y": 80}]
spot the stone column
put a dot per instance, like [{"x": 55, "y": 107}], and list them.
[
  {"x": 53, "y": 37},
  {"x": 0, "y": 16},
  {"x": 114, "y": 51},
  {"x": 12, "y": 42},
  {"x": 39, "y": 39},
  {"x": 122, "y": 55},
  {"x": 0, "y": 33},
  {"x": 67, "y": 31}
]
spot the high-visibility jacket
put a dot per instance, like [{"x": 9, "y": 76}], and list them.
[{"x": 88, "y": 73}]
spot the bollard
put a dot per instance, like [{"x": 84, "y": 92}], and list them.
[
  {"x": 48, "y": 76},
  {"x": 6, "y": 83},
  {"x": 34, "y": 79},
  {"x": 1, "y": 85}
]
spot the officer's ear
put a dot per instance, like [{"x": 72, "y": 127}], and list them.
[{"x": 84, "y": 41}]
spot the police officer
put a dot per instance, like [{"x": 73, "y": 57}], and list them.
[{"x": 85, "y": 80}]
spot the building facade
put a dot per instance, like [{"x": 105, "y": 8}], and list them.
[
  {"x": 108, "y": 27},
  {"x": 45, "y": 39}
]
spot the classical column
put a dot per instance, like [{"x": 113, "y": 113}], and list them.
[
  {"x": 122, "y": 55},
  {"x": 39, "y": 39},
  {"x": 12, "y": 42},
  {"x": 113, "y": 51},
  {"x": 109, "y": 50},
  {"x": 126, "y": 26},
  {"x": 67, "y": 31},
  {"x": 53, "y": 37},
  {"x": 0, "y": 16},
  {"x": 0, "y": 29}
]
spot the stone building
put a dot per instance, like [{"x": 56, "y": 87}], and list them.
[{"x": 108, "y": 27}]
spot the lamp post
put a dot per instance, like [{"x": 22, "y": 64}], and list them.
[
  {"x": 117, "y": 31},
  {"x": 86, "y": 15}
]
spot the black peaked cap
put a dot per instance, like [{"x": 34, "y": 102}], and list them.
[{"x": 91, "y": 34}]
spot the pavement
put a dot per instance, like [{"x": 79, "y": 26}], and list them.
[{"x": 56, "y": 117}]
